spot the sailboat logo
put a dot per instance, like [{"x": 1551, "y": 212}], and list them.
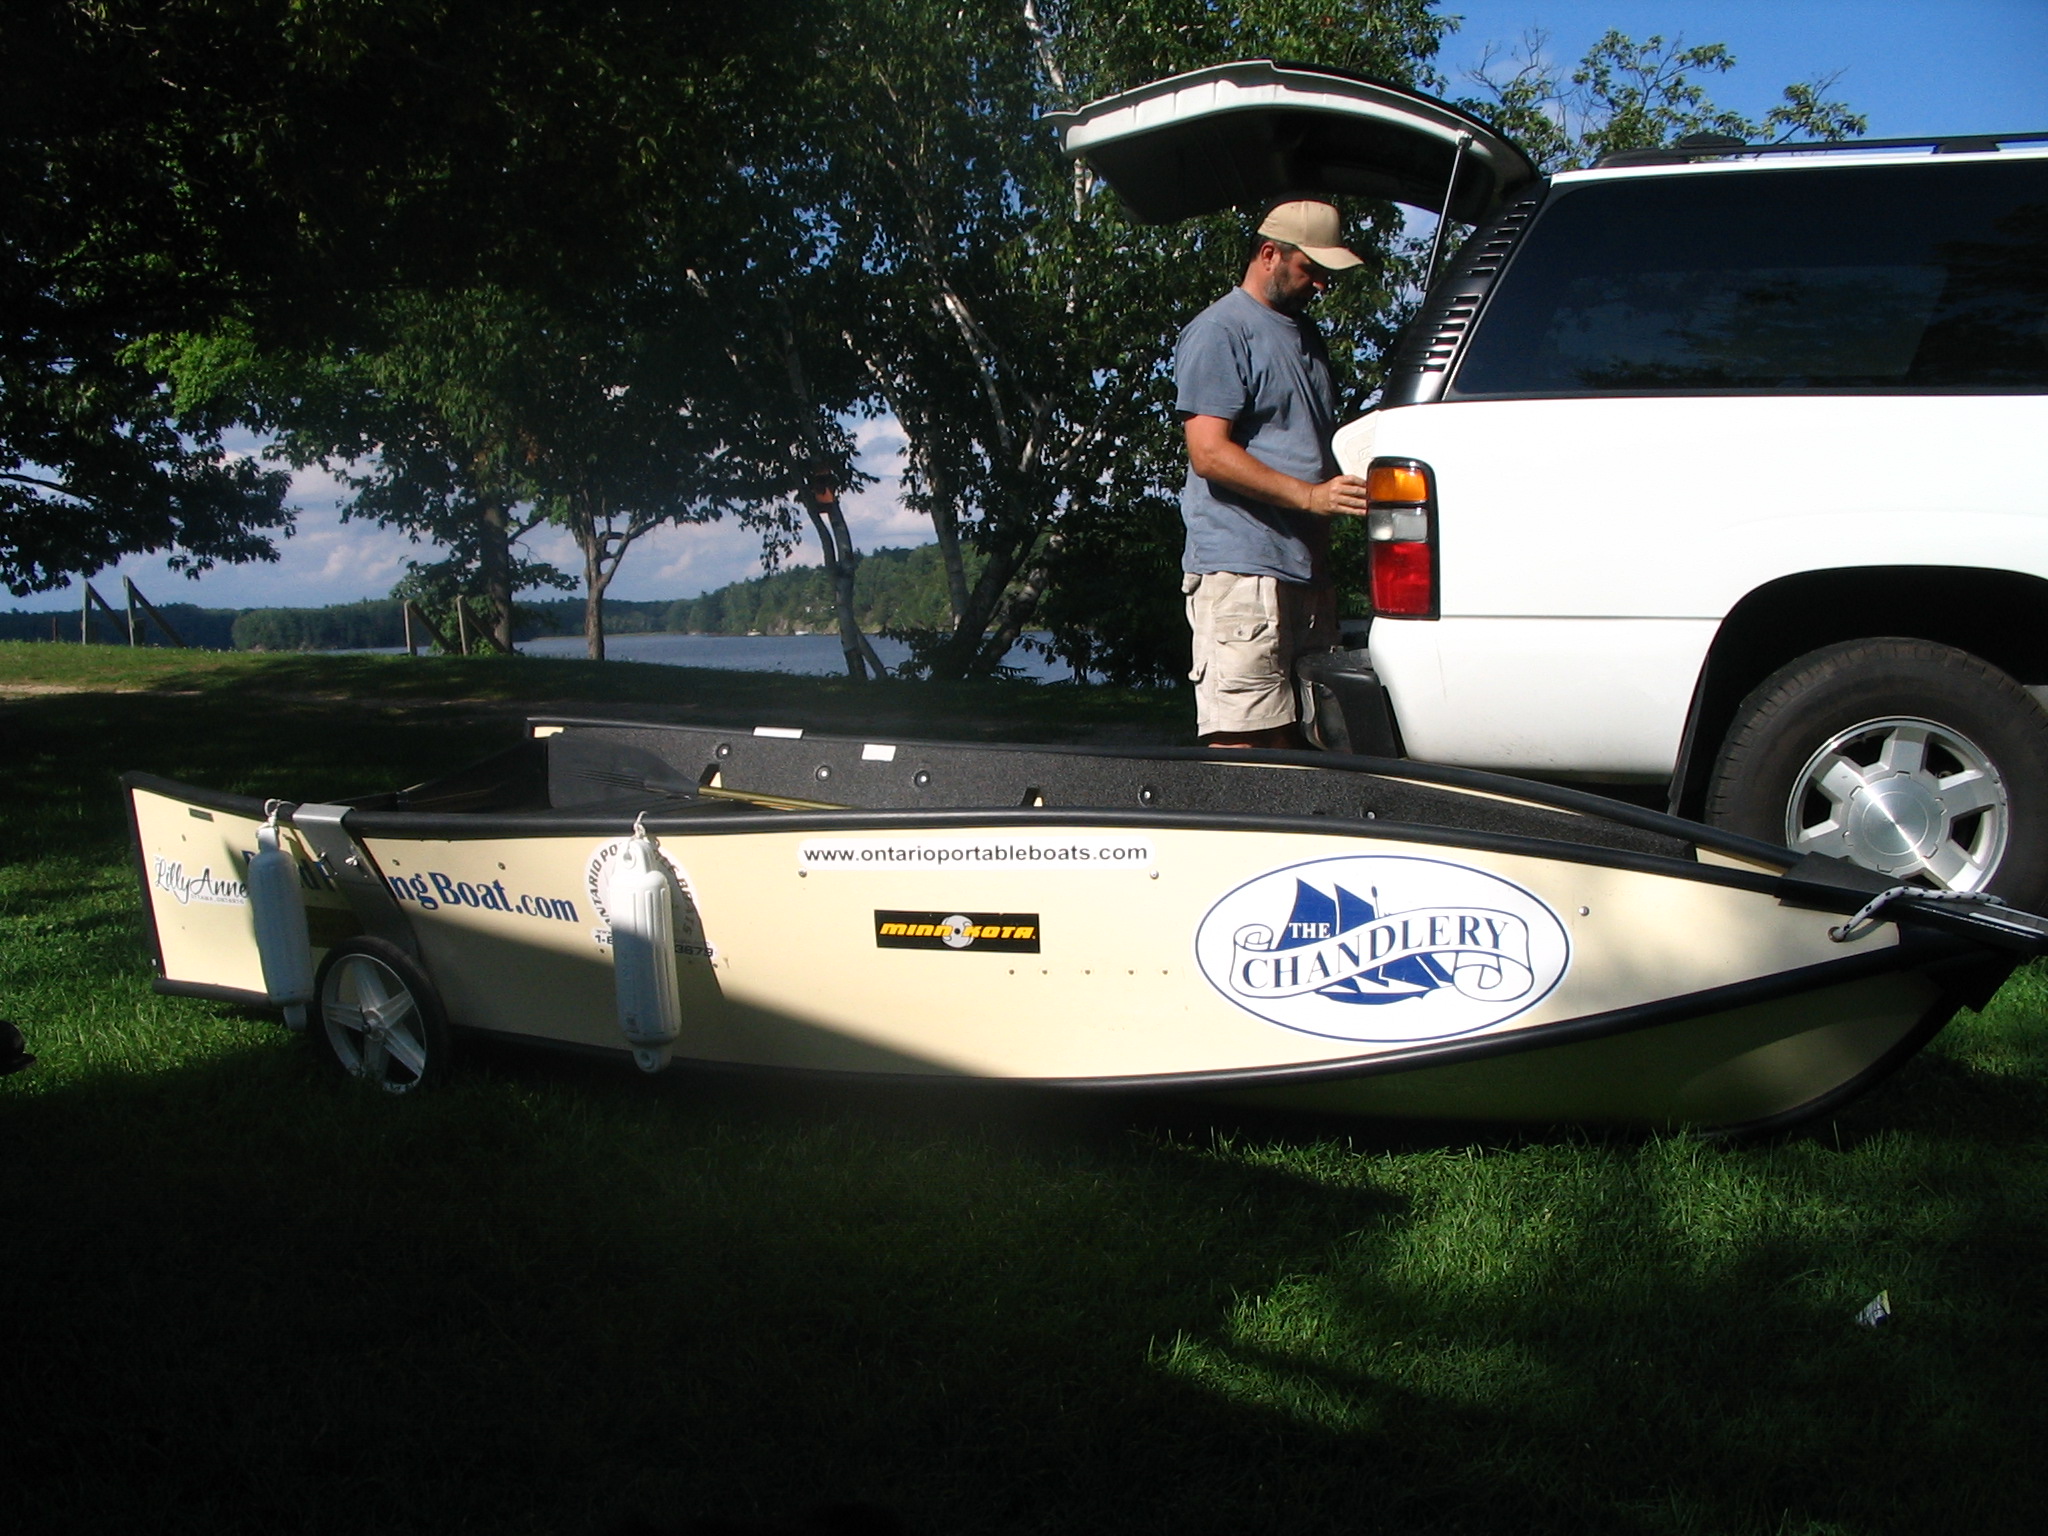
[{"x": 1383, "y": 948}]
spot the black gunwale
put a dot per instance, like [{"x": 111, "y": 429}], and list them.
[
  {"x": 481, "y": 827},
  {"x": 1553, "y": 796}
]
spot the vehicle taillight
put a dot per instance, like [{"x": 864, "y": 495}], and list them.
[{"x": 1402, "y": 529}]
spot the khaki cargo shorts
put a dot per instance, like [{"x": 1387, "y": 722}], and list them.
[{"x": 1248, "y": 630}]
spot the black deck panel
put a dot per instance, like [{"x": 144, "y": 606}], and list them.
[{"x": 593, "y": 763}]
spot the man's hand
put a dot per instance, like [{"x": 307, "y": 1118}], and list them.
[
  {"x": 1216, "y": 456},
  {"x": 1339, "y": 496}
]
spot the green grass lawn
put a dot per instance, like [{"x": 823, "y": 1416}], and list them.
[
  {"x": 238, "y": 1295},
  {"x": 482, "y": 685}
]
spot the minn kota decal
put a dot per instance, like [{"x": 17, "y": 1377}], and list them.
[
  {"x": 1012, "y": 933},
  {"x": 1382, "y": 948}
]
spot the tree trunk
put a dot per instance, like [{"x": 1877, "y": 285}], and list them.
[
  {"x": 494, "y": 566},
  {"x": 861, "y": 660},
  {"x": 842, "y": 561},
  {"x": 849, "y": 622},
  {"x": 946, "y": 525},
  {"x": 966, "y": 654},
  {"x": 822, "y": 502},
  {"x": 590, "y": 539},
  {"x": 942, "y": 503},
  {"x": 1022, "y": 603},
  {"x": 841, "y": 572}
]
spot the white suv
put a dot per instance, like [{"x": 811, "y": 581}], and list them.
[{"x": 1718, "y": 468}]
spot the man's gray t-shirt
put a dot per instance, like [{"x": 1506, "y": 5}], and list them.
[{"x": 1267, "y": 374}]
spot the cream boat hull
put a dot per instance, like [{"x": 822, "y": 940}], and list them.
[{"x": 1511, "y": 957}]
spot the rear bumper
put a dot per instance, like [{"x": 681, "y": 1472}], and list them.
[{"x": 1344, "y": 705}]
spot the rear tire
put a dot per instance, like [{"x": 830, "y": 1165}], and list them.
[
  {"x": 380, "y": 1020},
  {"x": 1917, "y": 760}
]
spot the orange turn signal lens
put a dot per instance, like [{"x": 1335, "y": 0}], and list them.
[{"x": 1397, "y": 482}]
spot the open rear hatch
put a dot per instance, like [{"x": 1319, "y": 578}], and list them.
[{"x": 1246, "y": 134}]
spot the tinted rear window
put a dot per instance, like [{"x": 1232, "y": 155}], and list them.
[{"x": 1857, "y": 277}]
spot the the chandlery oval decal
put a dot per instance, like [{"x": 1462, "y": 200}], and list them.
[{"x": 1383, "y": 947}]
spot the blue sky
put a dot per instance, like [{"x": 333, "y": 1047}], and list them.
[{"x": 1912, "y": 66}]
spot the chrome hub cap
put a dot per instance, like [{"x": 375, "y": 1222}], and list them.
[
  {"x": 1909, "y": 798},
  {"x": 373, "y": 1022}
]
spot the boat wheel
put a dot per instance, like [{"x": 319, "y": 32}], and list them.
[{"x": 379, "y": 1018}]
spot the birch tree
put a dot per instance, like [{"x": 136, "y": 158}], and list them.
[{"x": 1007, "y": 313}]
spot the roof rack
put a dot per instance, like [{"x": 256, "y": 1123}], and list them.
[{"x": 1704, "y": 146}]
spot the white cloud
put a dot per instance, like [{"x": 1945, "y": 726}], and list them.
[
  {"x": 875, "y": 514},
  {"x": 314, "y": 486}
]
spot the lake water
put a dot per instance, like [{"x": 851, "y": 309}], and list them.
[{"x": 809, "y": 655}]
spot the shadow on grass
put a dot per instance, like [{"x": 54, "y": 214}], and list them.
[
  {"x": 1939, "y": 1095},
  {"x": 279, "y": 1303},
  {"x": 68, "y": 751},
  {"x": 243, "y": 1296},
  {"x": 1659, "y": 1336},
  {"x": 981, "y": 710}
]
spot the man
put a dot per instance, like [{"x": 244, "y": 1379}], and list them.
[{"x": 1258, "y": 407}]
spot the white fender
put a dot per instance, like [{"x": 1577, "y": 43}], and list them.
[
  {"x": 280, "y": 911},
  {"x": 641, "y": 897}
]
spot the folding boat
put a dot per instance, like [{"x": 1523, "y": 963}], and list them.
[{"x": 1315, "y": 930}]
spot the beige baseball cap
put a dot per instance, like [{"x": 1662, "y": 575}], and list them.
[{"x": 1316, "y": 228}]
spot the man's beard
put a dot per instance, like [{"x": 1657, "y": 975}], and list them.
[{"x": 1288, "y": 303}]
